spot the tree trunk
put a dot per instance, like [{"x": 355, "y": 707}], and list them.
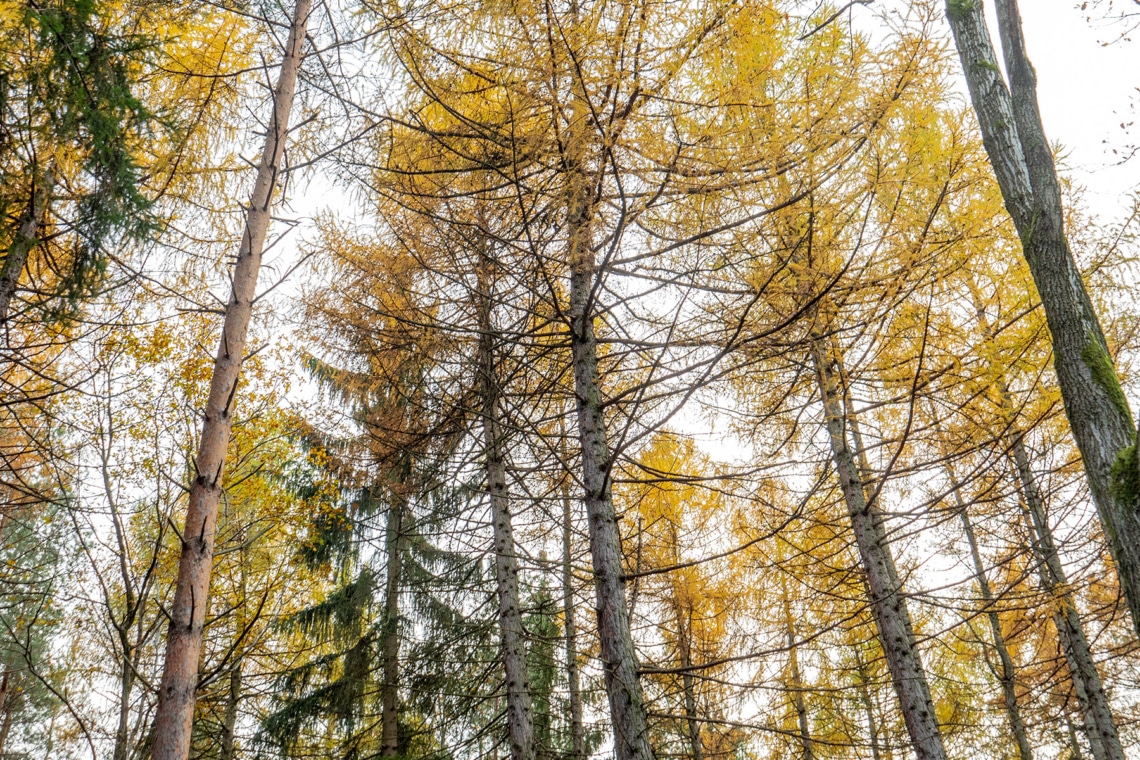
[
  {"x": 619, "y": 659},
  {"x": 1007, "y": 676},
  {"x": 896, "y": 631},
  {"x": 1074, "y": 743},
  {"x": 795, "y": 682},
  {"x": 230, "y": 721},
  {"x": 234, "y": 698},
  {"x": 688, "y": 688},
  {"x": 577, "y": 729},
  {"x": 868, "y": 707},
  {"x": 1020, "y": 154},
  {"x": 175, "y": 714},
  {"x": 520, "y": 720},
  {"x": 390, "y": 627},
  {"x": 126, "y": 686},
  {"x": 1099, "y": 725}
]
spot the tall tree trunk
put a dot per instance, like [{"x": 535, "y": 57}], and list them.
[
  {"x": 233, "y": 699},
  {"x": 570, "y": 629},
  {"x": 888, "y": 606},
  {"x": 688, "y": 688},
  {"x": 176, "y": 696},
  {"x": 520, "y": 720},
  {"x": 619, "y": 659},
  {"x": 795, "y": 682},
  {"x": 229, "y": 724},
  {"x": 1007, "y": 676},
  {"x": 394, "y": 540},
  {"x": 1099, "y": 725},
  {"x": 1023, "y": 164}
]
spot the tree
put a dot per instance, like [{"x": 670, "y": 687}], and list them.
[
  {"x": 1022, "y": 160},
  {"x": 188, "y": 612}
]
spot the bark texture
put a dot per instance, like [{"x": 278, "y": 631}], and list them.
[
  {"x": 176, "y": 696},
  {"x": 888, "y": 605},
  {"x": 1022, "y": 160},
  {"x": 520, "y": 718}
]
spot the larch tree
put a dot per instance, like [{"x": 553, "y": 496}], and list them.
[
  {"x": 1023, "y": 164},
  {"x": 175, "y": 713}
]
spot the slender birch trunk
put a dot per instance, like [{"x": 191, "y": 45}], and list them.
[
  {"x": 1099, "y": 724},
  {"x": 176, "y": 696},
  {"x": 570, "y": 629},
  {"x": 520, "y": 719},
  {"x": 1022, "y": 160},
  {"x": 390, "y": 626},
  {"x": 888, "y": 605}
]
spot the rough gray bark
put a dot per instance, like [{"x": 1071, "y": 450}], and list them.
[
  {"x": 176, "y": 696},
  {"x": 570, "y": 630},
  {"x": 1022, "y": 160},
  {"x": 394, "y": 540},
  {"x": 1008, "y": 673},
  {"x": 520, "y": 719},
  {"x": 888, "y": 605},
  {"x": 174, "y": 712},
  {"x": 1100, "y": 727}
]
